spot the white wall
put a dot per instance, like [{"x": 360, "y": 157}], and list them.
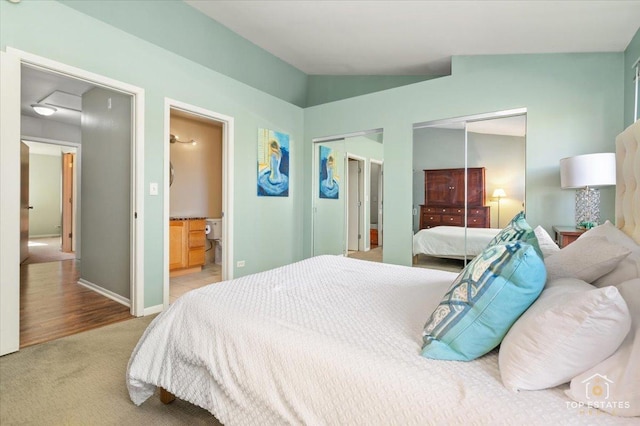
[
  {"x": 197, "y": 185},
  {"x": 106, "y": 190},
  {"x": 45, "y": 186}
]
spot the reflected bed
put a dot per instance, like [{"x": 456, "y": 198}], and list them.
[{"x": 453, "y": 242}]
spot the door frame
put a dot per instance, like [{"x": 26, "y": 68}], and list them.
[
  {"x": 12, "y": 60},
  {"x": 228, "y": 135},
  {"x": 362, "y": 190},
  {"x": 380, "y": 195},
  {"x": 77, "y": 182}
]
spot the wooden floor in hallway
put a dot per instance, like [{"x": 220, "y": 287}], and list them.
[{"x": 54, "y": 305}]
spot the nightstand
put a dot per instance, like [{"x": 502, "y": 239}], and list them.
[{"x": 565, "y": 235}]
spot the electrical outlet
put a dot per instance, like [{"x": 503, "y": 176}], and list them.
[{"x": 240, "y": 264}]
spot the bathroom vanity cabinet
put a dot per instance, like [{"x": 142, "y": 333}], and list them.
[{"x": 186, "y": 245}]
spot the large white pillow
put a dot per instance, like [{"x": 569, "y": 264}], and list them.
[
  {"x": 587, "y": 259},
  {"x": 546, "y": 243},
  {"x": 569, "y": 329},
  {"x": 629, "y": 267},
  {"x": 618, "y": 377}
]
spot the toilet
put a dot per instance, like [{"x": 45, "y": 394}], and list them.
[{"x": 214, "y": 232}]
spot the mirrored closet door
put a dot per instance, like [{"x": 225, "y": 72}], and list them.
[
  {"x": 468, "y": 182},
  {"x": 348, "y": 195}
]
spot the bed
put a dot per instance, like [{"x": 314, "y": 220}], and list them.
[
  {"x": 453, "y": 242},
  {"x": 335, "y": 340}
]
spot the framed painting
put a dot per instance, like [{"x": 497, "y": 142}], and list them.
[
  {"x": 328, "y": 176},
  {"x": 273, "y": 163}
]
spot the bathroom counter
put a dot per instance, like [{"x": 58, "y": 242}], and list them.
[{"x": 186, "y": 245}]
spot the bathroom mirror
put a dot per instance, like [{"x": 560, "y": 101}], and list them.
[
  {"x": 348, "y": 195},
  {"x": 468, "y": 182}
]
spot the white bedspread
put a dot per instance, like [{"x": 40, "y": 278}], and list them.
[
  {"x": 328, "y": 340},
  {"x": 449, "y": 241}
]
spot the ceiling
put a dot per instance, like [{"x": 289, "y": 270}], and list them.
[
  {"x": 326, "y": 37},
  {"x": 37, "y": 85}
]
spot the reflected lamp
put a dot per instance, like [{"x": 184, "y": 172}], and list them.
[{"x": 499, "y": 193}]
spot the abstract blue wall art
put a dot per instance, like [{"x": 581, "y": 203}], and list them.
[
  {"x": 273, "y": 163},
  {"x": 329, "y": 179}
]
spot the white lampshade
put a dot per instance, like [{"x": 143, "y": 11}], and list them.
[
  {"x": 588, "y": 170},
  {"x": 499, "y": 193},
  {"x": 43, "y": 109}
]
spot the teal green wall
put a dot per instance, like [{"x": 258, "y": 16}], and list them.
[
  {"x": 574, "y": 106},
  {"x": 81, "y": 41},
  {"x": 631, "y": 55},
  {"x": 186, "y": 31},
  {"x": 328, "y": 88},
  {"x": 181, "y": 29}
]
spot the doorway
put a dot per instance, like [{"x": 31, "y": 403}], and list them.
[
  {"x": 354, "y": 205},
  {"x": 16, "y": 64},
  {"x": 198, "y": 209},
  {"x": 49, "y": 186},
  {"x": 376, "y": 192}
]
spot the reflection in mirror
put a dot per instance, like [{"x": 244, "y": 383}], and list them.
[
  {"x": 458, "y": 166},
  {"x": 348, "y": 195}
]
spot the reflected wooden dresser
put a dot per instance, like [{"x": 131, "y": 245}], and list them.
[{"x": 445, "y": 198}]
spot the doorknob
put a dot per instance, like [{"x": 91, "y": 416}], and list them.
[{"x": 30, "y": 207}]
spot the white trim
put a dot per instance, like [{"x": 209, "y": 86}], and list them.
[
  {"x": 107, "y": 293},
  {"x": 152, "y": 310},
  {"x": 227, "y": 187},
  {"x": 137, "y": 164},
  {"x": 346, "y": 135},
  {"x": 475, "y": 117},
  {"x": 9, "y": 203}
]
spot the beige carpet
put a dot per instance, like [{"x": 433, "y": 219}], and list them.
[
  {"x": 373, "y": 255},
  {"x": 80, "y": 380},
  {"x": 47, "y": 249}
]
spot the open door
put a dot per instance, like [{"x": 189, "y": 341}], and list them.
[
  {"x": 68, "y": 165},
  {"x": 24, "y": 201},
  {"x": 9, "y": 203}
]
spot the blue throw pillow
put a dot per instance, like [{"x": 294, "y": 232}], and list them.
[
  {"x": 488, "y": 296},
  {"x": 517, "y": 230}
]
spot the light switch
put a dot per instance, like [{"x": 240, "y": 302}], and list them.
[{"x": 153, "y": 188}]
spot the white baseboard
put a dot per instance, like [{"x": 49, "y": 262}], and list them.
[
  {"x": 45, "y": 236},
  {"x": 107, "y": 293},
  {"x": 151, "y": 310}
]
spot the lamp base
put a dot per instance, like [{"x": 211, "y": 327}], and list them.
[{"x": 587, "y": 208}]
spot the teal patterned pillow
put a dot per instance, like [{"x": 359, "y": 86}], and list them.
[
  {"x": 488, "y": 296},
  {"x": 517, "y": 230}
]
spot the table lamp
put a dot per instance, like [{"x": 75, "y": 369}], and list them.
[{"x": 585, "y": 173}]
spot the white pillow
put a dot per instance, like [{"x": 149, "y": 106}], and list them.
[
  {"x": 587, "y": 259},
  {"x": 547, "y": 245},
  {"x": 629, "y": 267},
  {"x": 569, "y": 329},
  {"x": 619, "y": 375}
]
